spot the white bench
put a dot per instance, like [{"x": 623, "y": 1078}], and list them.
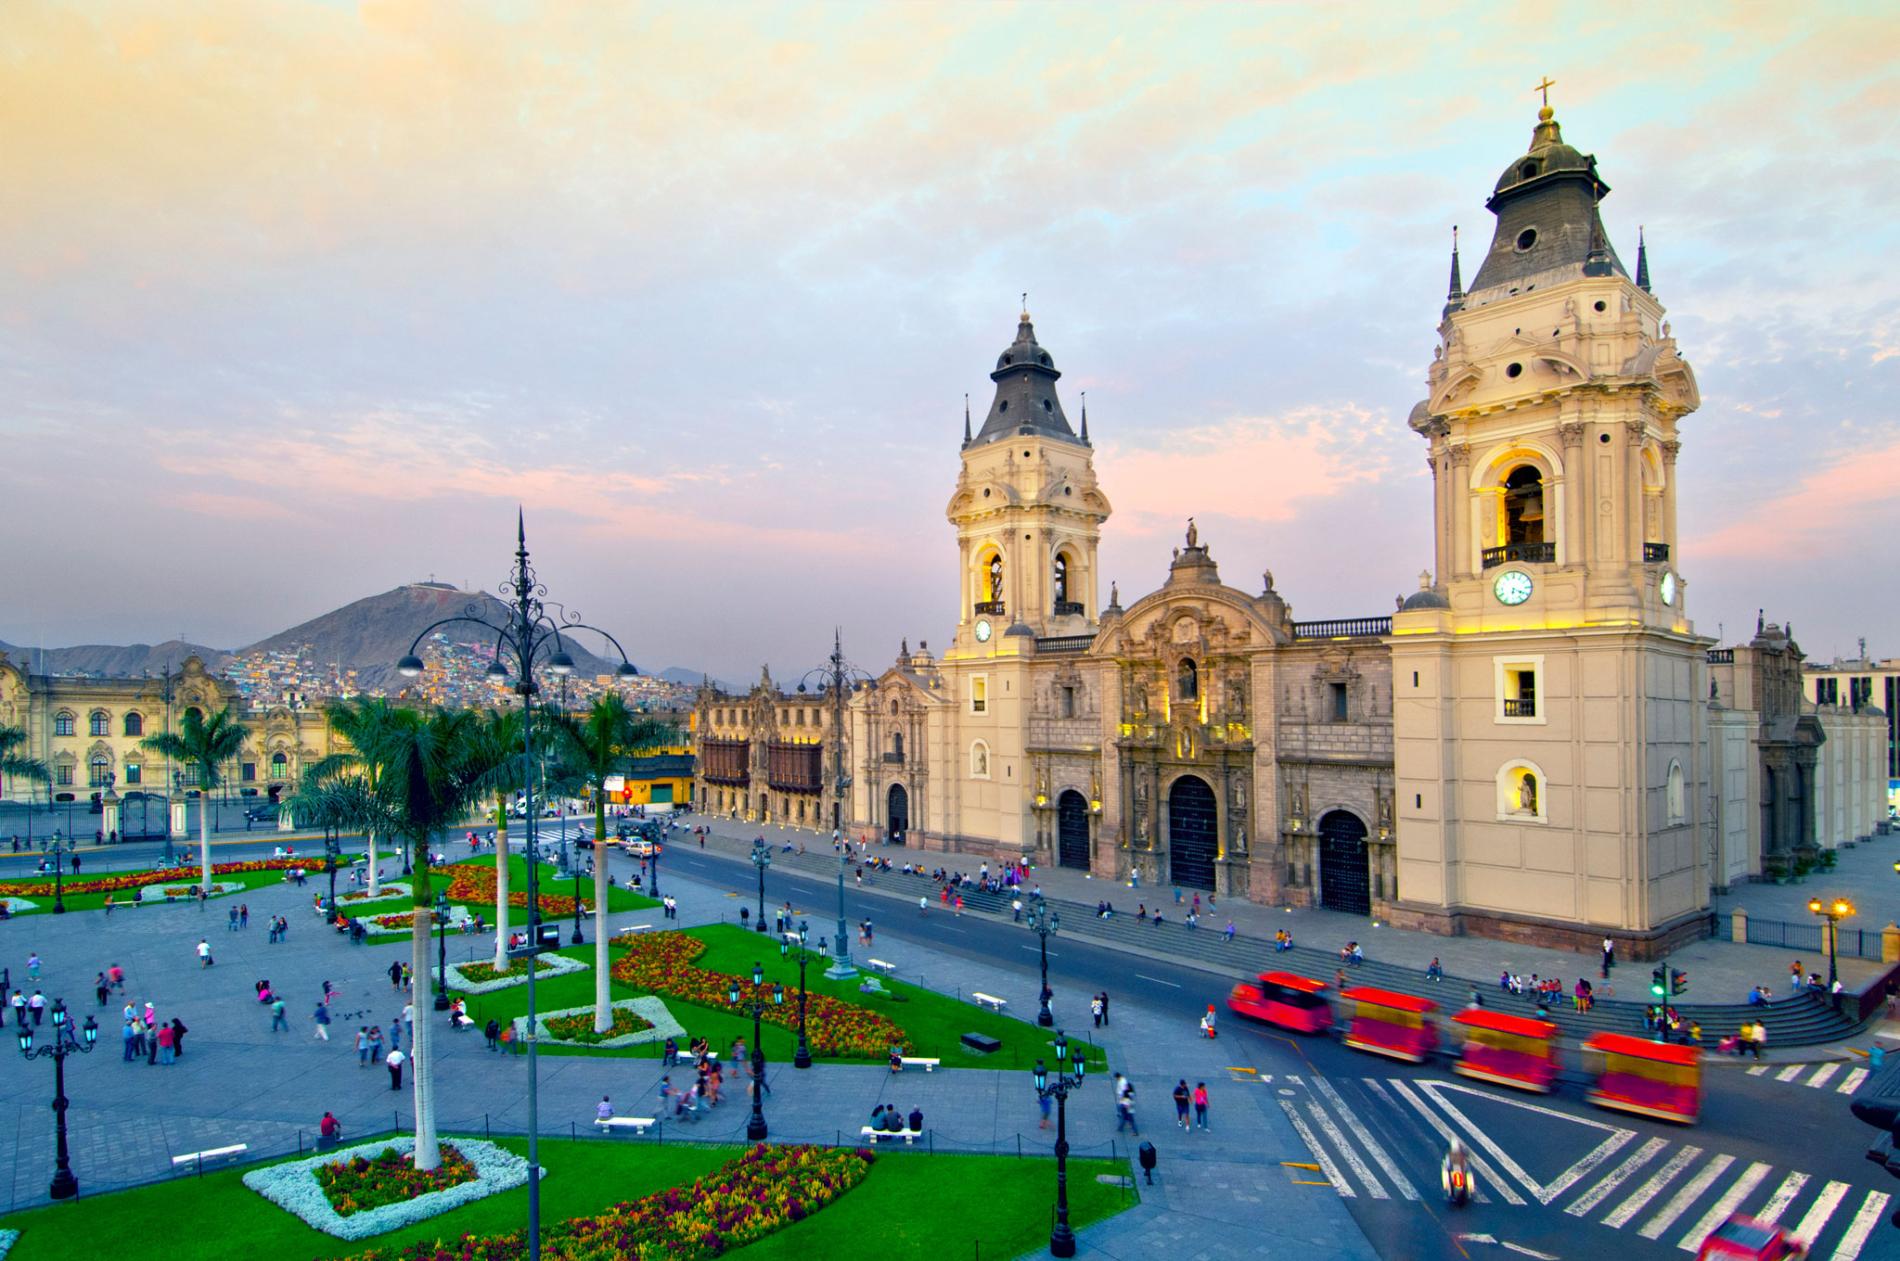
[
  {"x": 879, "y": 965},
  {"x": 929, "y": 1065},
  {"x": 213, "y": 1153},
  {"x": 877, "y": 1135},
  {"x": 639, "y": 1125},
  {"x": 989, "y": 1000}
]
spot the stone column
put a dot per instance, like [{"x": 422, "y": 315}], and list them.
[
  {"x": 1576, "y": 495},
  {"x": 1459, "y": 460}
]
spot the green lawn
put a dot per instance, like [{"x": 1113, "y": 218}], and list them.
[
  {"x": 618, "y": 898},
  {"x": 914, "y": 1205},
  {"x": 935, "y": 1022},
  {"x": 122, "y": 898}
]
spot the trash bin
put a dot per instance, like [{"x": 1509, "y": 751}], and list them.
[{"x": 1145, "y": 1154}]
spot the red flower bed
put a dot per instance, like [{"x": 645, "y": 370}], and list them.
[
  {"x": 470, "y": 882},
  {"x": 580, "y": 1027},
  {"x": 739, "y": 1203},
  {"x": 366, "y": 1182},
  {"x": 662, "y": 963},
  {"x": 139, "y": 879}
]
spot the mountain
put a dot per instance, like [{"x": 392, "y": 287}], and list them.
[
  {"x": 693, "y": 678},
  {"x": 372, "y": 634},
  {"x": 111, "y": 660}
]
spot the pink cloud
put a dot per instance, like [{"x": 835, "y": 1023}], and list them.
[{"x": 1839, "y": 501}]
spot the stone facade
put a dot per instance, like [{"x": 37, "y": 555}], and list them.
[{"x": 763, "y": 756}]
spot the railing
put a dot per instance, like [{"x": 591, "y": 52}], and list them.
[
  {"x": 1068, "y": 608},
  {"x": 1721, "y": 656},
  {"x": 1064, "y": 643},
  {"x": 993, "y": 608},
  {"x": 1343, "y": 628},
  {"x": 1853, "y": 943},
  {"x": 1528, "y": 553},
  {"x": 1655, "y": 553},
  {"x": 895, "y": 759},
  {"x": 1524, "y": 708}
]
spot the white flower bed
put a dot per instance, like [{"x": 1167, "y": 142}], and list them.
[
  {"x": 458, "y": 916},
  {"x": 156, "y": 892},
  {"x": 360, "y": 897},
  {"x": 7, "y": 1239},
  {"x": 556, "y": 965},
  {"x": 294, "y": 1188},
  {"x": 653, "y": 1009},
  {"x": 14, "y": 907}
]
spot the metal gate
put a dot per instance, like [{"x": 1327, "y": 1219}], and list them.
[
  {"x": 1192, "y": 820},
  {"x": 1072, "y": 831},
  {"x": 898, "y": 812},
  {"x": 1345, "y": 882}
]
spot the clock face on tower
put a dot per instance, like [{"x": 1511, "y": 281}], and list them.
[
  {"x": 1513, "y": 587},
  {"x": 983, "y": 630},
  {"x": 1668, "y": 588}
]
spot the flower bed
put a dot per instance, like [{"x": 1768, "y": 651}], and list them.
[
  {"x": 581, "y": 1028},
  {"x": 366, "y": 1182},
  {"x": 658, "y": 1022},
  {"x": 139, "y": 879},
  {"x": 471, "y": 882},
  {"x": 663, "y": 963},
  {"x": 384, "y": 893},
  {"x": 294, "y": 1187},
  {"x": 178, "y": 892},
  {"x": 7, "y": 1239},
  {"x": 481, "y": 978},
  {"x": 739, "y": 1203},
  {"x": 404, "y": 922}
]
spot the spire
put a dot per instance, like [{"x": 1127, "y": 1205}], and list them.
[
  {"x": 1455, "y": 291},
  {"x": 1642, "y": 261},
  {"x": 966, "y": 420},
  {"x": 1085, "y": 417}
]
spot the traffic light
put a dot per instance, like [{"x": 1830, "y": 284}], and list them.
[
  {"x": 1659, "y": 982},
  {"x": 1678, "y": 981}
]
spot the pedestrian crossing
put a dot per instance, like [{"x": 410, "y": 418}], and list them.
[
  {"x": 1381, "y": 1138},
  {"x": 1843, "y": 1079}
]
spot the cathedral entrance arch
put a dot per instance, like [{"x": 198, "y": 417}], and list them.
[
  {"x": 1192, "y": 824},
  {"x": 1072, "y": 830},
  {"x": 897, "y": 813},
  {"x": 1345, "y": 882}
]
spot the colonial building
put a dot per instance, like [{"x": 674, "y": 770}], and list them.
[
  {"x": 762, "y": 756},
  {"x": 1863, "y": 685}
]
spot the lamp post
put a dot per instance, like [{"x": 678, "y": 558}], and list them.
[
  {"x": 756, "y": 1003},
  {"x": 761, "y": 858},
  {"x": 442, "y": 950},
  {"x": 1833, "y": 912},
  {"x": 834, "y": 679},
  {"x": 1061, "y": 1238},
  {"x": 332, "y": 849},
  {"x": 527, "y": 641},
  {"x": 577, "y": 939},
  {"x": 802, "y": 1059},
  {"x": 65, "y": 1186},
  {"x": 58, "y": 848},
  {"x": 653, "y": 870},
  {"x": 1044, "y": 920}
]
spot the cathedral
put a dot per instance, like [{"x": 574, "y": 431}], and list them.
[{"x": 1522, "y": 750}]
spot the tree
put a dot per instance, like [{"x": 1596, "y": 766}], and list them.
[
  {"x": 15, "y": 764},
  {"x": 432, "y": 770},
  {"x": 361, "y": 723},
  {"x": 501, "y": 734},
  {"x": 590, "y": 749},
  {"x": 203, "y": 745}
]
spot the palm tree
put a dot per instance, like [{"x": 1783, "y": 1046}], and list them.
[
  {"x": 501, "y": 734},
  {"x": 432, "y": 771},
  {"x": 204, "y": 745},
  {"x": 591, "y": 748},
  {"x": 360, "y": 722},
  {"x": 15, "y": 764}
]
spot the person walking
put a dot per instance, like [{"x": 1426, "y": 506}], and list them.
[
  {"x": 1125, "y": 1108},
  {"x": 1183, "y": 1097},
  {"x": 362, "y": 1046},
  {"x": 102, "y": 988},
  {"x": 1095, "y": 1010},
  {"x": 395, "y": 974},
  {"x": 1200, "y": 1105},
  {"x": 277, "y": 1020},
  {"x": 1042, "y": 1101},
  {"x": 32, "y": 965},
  {"x": 244, "y": 915},
  {"x": 395, "y": 1033},
  {"x": 18, "y": 1002},
  {"x": 322, "y": 1020},
  {"x": 376, "y": 1042},
  {"x": 37, "y": 1006},
  {"x": 1609, "y": 957},
  {"x": 394, "y": 1061},
  {"x": 204, "y": 953},
  {"x": 232, "y": 926}
]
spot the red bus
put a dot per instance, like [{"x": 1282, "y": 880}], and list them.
[
  {"x": 1652, "y": 1079},
  {"x": 1515, "y": 1051},
  {"x": 1391, "y": 1024},
  {"x": 1281, "y": 998}
]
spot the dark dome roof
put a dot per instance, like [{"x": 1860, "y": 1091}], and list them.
[
  {"x": 1546, "y": 205},
  {"x": 1428, "y": 598},
  {"x": 1026, "y": 400}
]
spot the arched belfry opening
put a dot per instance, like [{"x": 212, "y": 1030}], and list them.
[{"x": 1524, "y": 506}]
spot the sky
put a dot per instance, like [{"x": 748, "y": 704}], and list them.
[{"x": 299, "y": 301}]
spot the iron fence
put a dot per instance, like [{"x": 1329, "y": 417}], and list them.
[{"x": 1853, "y": 943}]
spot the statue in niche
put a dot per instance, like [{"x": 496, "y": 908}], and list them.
[
  {"x": 1141, "y": 697},
  {"x": 1236, "y": 696},
  {"x": 1240, "y": 839},
  {"x": 1527, "y": 793},
  {"x": 1240, "y": 797}
]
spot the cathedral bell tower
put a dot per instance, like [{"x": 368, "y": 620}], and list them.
[
  {"x": 1547, "y": 683},
  {"x": 1028, "y": 512}
]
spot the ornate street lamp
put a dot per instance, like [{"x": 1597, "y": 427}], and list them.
[
  {"x": 58, "y": 848},
  {"x": 577, "y": 939},
  {"x": 1833, "y": 912},
  {"x": 65, "y": 1186},
  {"x": 756, "y": 1003},
  {"x": 527, "y": 641},
  {"x": 1043, "y": 920},
  {"x": 1061, "y": 1239},
  {"x": 802, "y": 1059},
  {"x": 834, "y": 680},
  {"x": 332, "y": 849},
  {"x": 441, "y": 950},
  {"x": 761, "y": 858}
]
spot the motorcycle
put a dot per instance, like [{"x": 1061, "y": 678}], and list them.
[{"x": 1454, "y": 1174}]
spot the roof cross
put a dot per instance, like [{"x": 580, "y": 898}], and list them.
[{"x": 1545, "y": 88}]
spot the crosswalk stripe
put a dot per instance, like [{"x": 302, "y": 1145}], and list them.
[
  {"x": 1818, "y": 1212},
  {"x": 1351, "y": 1118},
  {"x": 1616, "y": 1177},
  {"x": 1374, "y": 1187},
  {"x": 1691, "y": 1192},
  {"x": 1821, "y": 1075},
  {"x": 1485, "y": 1171},
  {"x": 1790, "y": 1073},
  {"x": 1851, "y": 1082},
  {"x": 1862, "y": 1226},
  {"x": 1641, "y": 1196},
  {"x": 1758, "y": 1070},
  {"x": 1784, "y": 1196},
  {"x": 1400, "y": 1116},
  {"x": 1325, "y": 1162},
  {"x": 1718, "y": 1213}
]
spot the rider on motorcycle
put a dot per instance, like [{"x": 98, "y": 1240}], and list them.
[{"x": 1455, "y": 1173}]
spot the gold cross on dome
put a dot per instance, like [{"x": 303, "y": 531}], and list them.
[{"x": 1545, "y": 88}]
